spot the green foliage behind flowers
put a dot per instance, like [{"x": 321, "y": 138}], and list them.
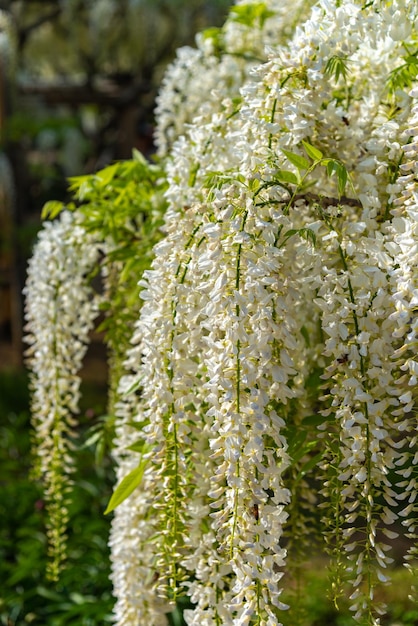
[
  {"x": 83, "y": 595},
  {"x": 123, "y": 205}
]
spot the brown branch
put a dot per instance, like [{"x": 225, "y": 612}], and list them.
[{"x": 325, "y": 201}]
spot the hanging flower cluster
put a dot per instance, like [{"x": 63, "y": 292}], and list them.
[
  {"x": 60, "y": 312},
  {"x": 272, "y": 370}
]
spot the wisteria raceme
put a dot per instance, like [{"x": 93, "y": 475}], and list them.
[
  {"x": 272, "y": 371},
  {"x": 404, "y": 284},
  {"x": 352, "y": 282},
  {"x": 60, "y": 311},
  {"x": 204, "y": 83},
  {"x": 133, "y": 529}
]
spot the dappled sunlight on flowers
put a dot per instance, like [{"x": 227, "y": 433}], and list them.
[{"x": 272, "y": 369}]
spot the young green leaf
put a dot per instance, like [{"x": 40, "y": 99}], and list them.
[
  {"x": 250, "y": 13},
  {"x": 138, "y": 446},
  {"x": 51, "y": 209},
  {"x": 305, "y": 334},
  {"x": 308, "y": 235},
  {"x": 289, "y": 233},
  {"x": 312, "y": 152},
  {"x": 285, "y": 176},
  {"x": 106, "y": 175},
  {"x": 337, "y": 66},
  {"x": 297, "y": 160},
  {"x": 134, "y": 387},
  {"x": 342, "y": 179},
  {"x": 315, "y": 420},
  {"x": 296, "y": 440},
  {"x": 139, "y": 157},
  {"x": 306, "y": 467},
  {"x": 302, "y": 450},
  {"x": 331, "y": 165},
  {"x": 127, "y": 485},
  {"x": 193, "y": 173},
  {"x": 339, "y": 169},
  {"x": 403, "y": 76}
]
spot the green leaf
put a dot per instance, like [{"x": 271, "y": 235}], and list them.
[
  {"x": 314, "y": 420},
  {"x": 211, "y": 33},
  {"x": 51, "y": 209},
  {"x": 290, "y": 233},
  {"x": 308, "y": 235},
  {"x": 76, "y": 181},
  {"x": 177, "y": 617},
  {"x": 107, "y": 174},
  {"x": 127, "y": 485},
  {"x": 305, "y": 233},
  {"x": 139, "y": 157},
  {"x": 49, "y": 594},
  {"x": 337, "y": 66},
  {"x": 302, "y": 451},
  {"x": 139, "y": 446},
  {"x": 296, "y": 439},
  {"x": 311, "y": 151},
  {"x": 214, "y": 35},
  {"x": 305, "y": 334},
  {"x": 342, "y": 179},
  {"x": 254, "y": 184},
  {"x": 334, "y": 166},
  {"x": 403, "y": 76},
  {"x": 134, "y": 387},
  {"x": 93, "y": 439},
  {"x": 193, "y": 173},
  {"x": 314, "y": 380},
  {"x": 285, "y": 176},
  {"x": 306, "y": 467},
  {"x": 297, "y": 160},
  {"x": 248, "y": 14}
]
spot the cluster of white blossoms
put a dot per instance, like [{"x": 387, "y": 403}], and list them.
[
  {"x": 60, "y": 312},
  {"x": 273, "y": 366},
  {"x": 203, "y": 84},
  {"x": 268, "y": 240}
]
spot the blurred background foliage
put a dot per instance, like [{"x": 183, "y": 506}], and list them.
[
  {"x": 78, "y": 81},
  {"x": 83, "y": 595}
]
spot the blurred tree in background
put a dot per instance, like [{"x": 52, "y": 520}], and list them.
[{"x": 78, "y": 80}]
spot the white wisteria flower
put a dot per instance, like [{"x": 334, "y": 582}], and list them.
[{"x": 60, "y": 311}]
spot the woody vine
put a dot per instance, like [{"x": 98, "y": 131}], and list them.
[{"x": 259, "y": 297}]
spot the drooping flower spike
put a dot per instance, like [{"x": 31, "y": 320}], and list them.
[{"x": 269, "y": 394}]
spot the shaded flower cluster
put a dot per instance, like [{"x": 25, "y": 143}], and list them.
[{"x": 60, "y": 312}]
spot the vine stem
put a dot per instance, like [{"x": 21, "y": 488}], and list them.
[
  {"x": 237, "y": 389},
  {"x": 367, "y": 495},
  {"x": 238, "y": 383}
]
